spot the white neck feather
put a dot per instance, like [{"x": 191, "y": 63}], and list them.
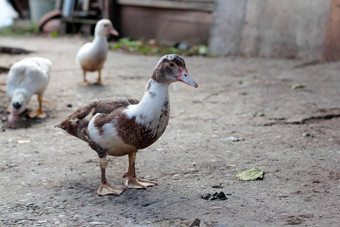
[
  {"x": 153, "y": 103},
  {"x": 22, "y": 96},
  {"x": 100, "y": 43}
]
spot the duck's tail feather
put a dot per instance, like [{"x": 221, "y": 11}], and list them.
[{"x": 76, "y": 124}]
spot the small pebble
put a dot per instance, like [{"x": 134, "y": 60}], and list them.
[
  {"x": 306, "y": 134},
  {"x": 97, "y": 223},
  {"x": 234, "y": 139},
  {"x": 215, "y": 196},
  {"x": 256, "y": 114}
]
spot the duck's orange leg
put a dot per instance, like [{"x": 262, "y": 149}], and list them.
[
  {"x": 99, "y": 80},
  {"x": 85, "y": 83},
  {"x": 38, "y": 113}
]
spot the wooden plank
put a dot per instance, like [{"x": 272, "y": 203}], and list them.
[
  {"x": 167, "y": 26},
  {"x": 205, "y": 6},
  {"x": 86, "y": 5},
  {"x": 107, "y": 5},
  {"x": 79, "y": 20}
]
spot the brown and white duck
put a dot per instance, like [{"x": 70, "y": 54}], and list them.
[
  {"x": 122, "y": 127},
  {"x": 92, "y": 56}
]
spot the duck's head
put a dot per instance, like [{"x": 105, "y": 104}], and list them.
[
  {"x": 104, "y": 28},
  {"x": 171, "y": 68},
  {"x": 17, "y": 106}
]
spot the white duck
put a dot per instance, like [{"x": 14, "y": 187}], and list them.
[
  {"x": 27, "y": 77},
  {"x": 92, "y": 56},
  {"x": 122, "y": 127}
]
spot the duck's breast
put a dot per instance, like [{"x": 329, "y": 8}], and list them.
[
  {"x": 134, "y": 133},
  {"x": 106, "y": 136},
  {"x": 91, "y": 57}
]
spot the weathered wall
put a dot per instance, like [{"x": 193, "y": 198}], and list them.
[
  {"x": 226, "y": 29},
  {"x": 167, "y": 21},
  {"x": 332, "y": 40},
  {"x": 168, "y": 26},
  {"x": 280, "y": 29},
  {"x": 288, "y": 29}
]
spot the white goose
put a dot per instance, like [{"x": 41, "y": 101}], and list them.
[
  {"x": 92, "y": 56},
  {"x": 122, "y": 127},
  {"x": 27, "y": 77}
]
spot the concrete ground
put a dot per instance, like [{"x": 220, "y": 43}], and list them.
[{"x": 50, "y": 178}]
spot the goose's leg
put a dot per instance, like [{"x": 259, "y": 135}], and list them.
[
  {"x": 38, "y": 113},
  {"x": 105, "y": 188},
  {"x": 131, "y": 180},
  {"x": 99, "y": 80},
  {"x": 85, "y": 80}
]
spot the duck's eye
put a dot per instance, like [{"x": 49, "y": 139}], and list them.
[
  {"x": 172, "y": 65},
  {"x": 105, "y": 25}
]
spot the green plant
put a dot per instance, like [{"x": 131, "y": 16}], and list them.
[{"x": 152, "y": 48}]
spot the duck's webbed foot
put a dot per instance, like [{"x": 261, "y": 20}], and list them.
[
  {"x": 99, "y": 83},
  {"x": 105, "y": 188},
  {"x": 108, "y": 189},
  {"x": 37, "y": 114},
  {"x": 131, "y": 180},
  {"x": 137, "y": 183}
]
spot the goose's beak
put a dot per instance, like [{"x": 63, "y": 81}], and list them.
[{"x": 185, "y": 77}]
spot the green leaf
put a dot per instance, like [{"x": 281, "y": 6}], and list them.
[
  {"x": 296, "y": 86},
  {"x": 116, "y": 46},
  {"x": 152, "y": 48},
  {"x": 55, "y": 34},
  {"x": 202, "y": 50},
  {"x": 124, "y": 41},
  {"x": 144, "y": 50},
  {"x": 250, "y": 174},
  {"x": 174, "y": 50}
]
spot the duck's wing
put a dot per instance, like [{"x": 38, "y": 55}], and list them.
[
  {"x": 44, "y": 64},
  {"x": 77, "y": 123},
  {"x": 109, "y": 106},
  {"x": 83, "y": 52},
  {"x": 16, "y": 76}
]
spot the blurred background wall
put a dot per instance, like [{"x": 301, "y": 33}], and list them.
[{"x": 305, "y": 29}]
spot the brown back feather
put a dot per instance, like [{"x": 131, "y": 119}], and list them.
[{"x": 76, "y": 124}]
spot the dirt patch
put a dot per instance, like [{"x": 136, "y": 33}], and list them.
[{"x": 51, "y": 178}]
